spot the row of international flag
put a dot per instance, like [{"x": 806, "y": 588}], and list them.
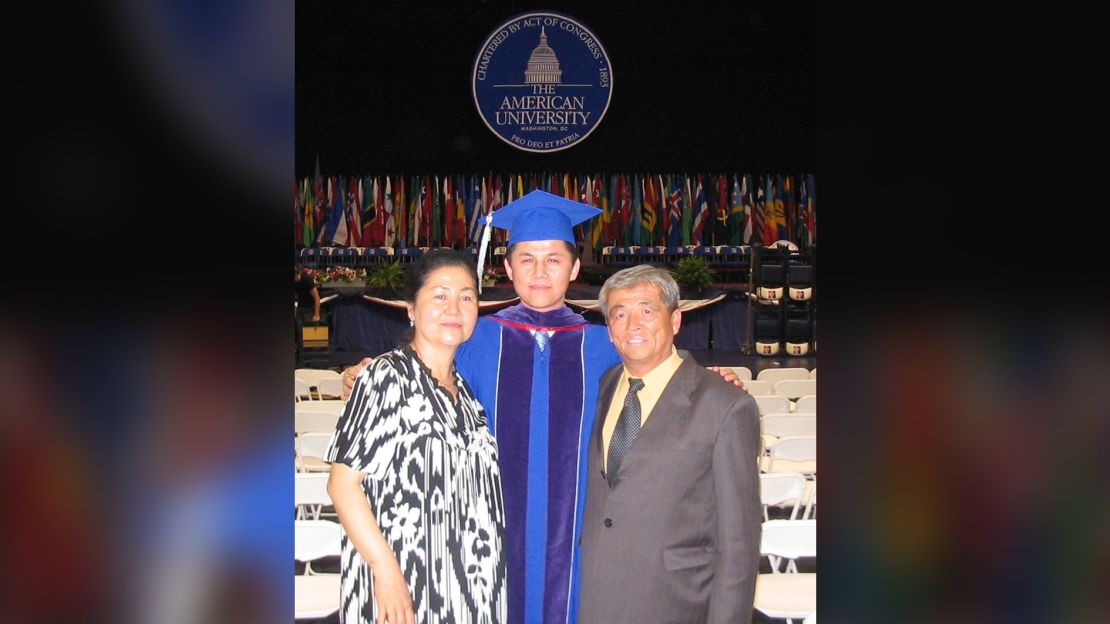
[{"x": 637, "y": 209}]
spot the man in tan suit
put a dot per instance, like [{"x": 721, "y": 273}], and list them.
[{"x": 672, "y": 520}]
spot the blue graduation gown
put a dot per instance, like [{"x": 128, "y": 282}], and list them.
[{"x": 540, "y": 406}]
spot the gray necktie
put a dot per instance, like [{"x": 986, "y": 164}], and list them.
[
  {"x": 541, "y": 339},
  {"x": 628, "y": 425}
]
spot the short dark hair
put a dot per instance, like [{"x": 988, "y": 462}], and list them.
[
  {"x": 417, "y": 273},
  {"x": 572, "y": 249}
]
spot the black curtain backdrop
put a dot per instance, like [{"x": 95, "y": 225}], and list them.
[{"x": 698, "y": 87}]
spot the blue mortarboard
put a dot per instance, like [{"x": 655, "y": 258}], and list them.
[{"x": 541, "y": 216}]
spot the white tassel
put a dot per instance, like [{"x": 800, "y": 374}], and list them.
[{"x": 482, "y": 249}]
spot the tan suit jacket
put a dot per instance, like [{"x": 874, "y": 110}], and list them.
[{"x": 676, "y": 539}]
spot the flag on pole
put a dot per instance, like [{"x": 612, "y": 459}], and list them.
[
  {"x": 782, "y": 230},
  {"x": 337, "y": 223},
  {"x": 759, "y": 215},
  {"x": 721, "y": 231},
  {"x": 701, "y": 214},
  {"x": 687, "y": 210},
  {"x": 435, "y": 230},
  {"x": 370, "y": 210},
  {"x": 389, "y": 231},
  {"x": 309, "y": 217},
  {"x": 401, "y": 210},
  {"x": 674, "y": 206},
  {"x": 448, "y": 213},
  {"x": 597, "y": 236},
  {"x": 736, "y": 215},
  {"x": 746, "y": 232},
  {"x": 648, "y": 211},
  {"x": 770, "y": 220},
  {"x": 637, "y": 210},
  {"x": 473, "y": 211},
  {"x": 791, "y": 202},
  {"x": 354, "y": 213},
  {"x": 428, "y": 194},
  {"x": 625, "y": 210},
  {"x": 321, "y": 202},
  {"x": 298, "y": 214},
  {"x": 612, "y": 200},
  {"x": 495, "y": 203}
]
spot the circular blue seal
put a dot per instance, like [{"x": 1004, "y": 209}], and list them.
[{"x": 542, "y": 82}]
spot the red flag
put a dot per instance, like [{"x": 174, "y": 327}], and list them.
[{"x": 626, "y": 209}]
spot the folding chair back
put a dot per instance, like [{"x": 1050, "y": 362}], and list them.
[
  {"x": 806, "y": 403},
  {"x": 797, "y": 424},
  {"x": 311, "y": 448},
  {"x": 789, "y": 539},
  {"x": 314, "y": 420},
  {"x": 777, "y": 374},
  {"x": 315, "y": 595},
  {"x": 300, "y": 390},
  {"x": 759, "y": 388},
  {"x": 794, "y": 388},
  {"x": 770, "y": 404},
  {"x": 781, "y": 489},
  {"x": 330, "y": 387},
  {"x": 743, "y": 372}
]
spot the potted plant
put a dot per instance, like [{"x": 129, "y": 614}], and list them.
[
  {"x": 693, "y": 274},
  {"x": 389, "y": 275}
]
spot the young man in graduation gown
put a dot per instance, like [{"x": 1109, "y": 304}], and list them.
[{"x": 536, "y": 368}]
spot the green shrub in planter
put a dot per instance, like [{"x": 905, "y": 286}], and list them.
[
  {"x": 693, "y": 274},
  {"x": 388, "y": 275}
]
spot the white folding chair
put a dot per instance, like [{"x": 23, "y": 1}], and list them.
[
  {"x": 796, "y": 424},
  {"x": 806, "y": 403},
  {"x": 311, "y": 448},
  {"x": 777, "y": 374},
  {"x": 312, "y": 376},
  {"x": 781, "y": 489},
  {"x": 791, "y": 454},
  {"x": 771, "y": 404},
  {"x": 330, "y": 388},
  {"x": 315, "y": 595},
  {"x": 327, "y": 405},
  {"x": 795, "y": 388},
  {"x": 759, "y": 388},
  {"x": 787, "y": 594},
  {"x": 784, "y": 424},
  {"x": 307, "y": 421},
  {"x": 743, "y": 372},
  {"x": 300, "y": 390},
  {"x": 310, "y": 491},
  {"x": 810, "y": 497}
]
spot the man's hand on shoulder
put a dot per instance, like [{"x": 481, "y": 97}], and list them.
[
  {"x": 349, "y": 375},
  {"x": 728, "y": 375}
]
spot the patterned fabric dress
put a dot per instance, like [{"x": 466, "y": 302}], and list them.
[{"x": 433, "y": 484}]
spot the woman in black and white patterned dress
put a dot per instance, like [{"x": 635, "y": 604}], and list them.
[{"x": 414, "y": 474}]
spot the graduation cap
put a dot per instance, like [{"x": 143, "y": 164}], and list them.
[
  {"x": 534, "y": 217},
  {"x": 540, "y": 216}
]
